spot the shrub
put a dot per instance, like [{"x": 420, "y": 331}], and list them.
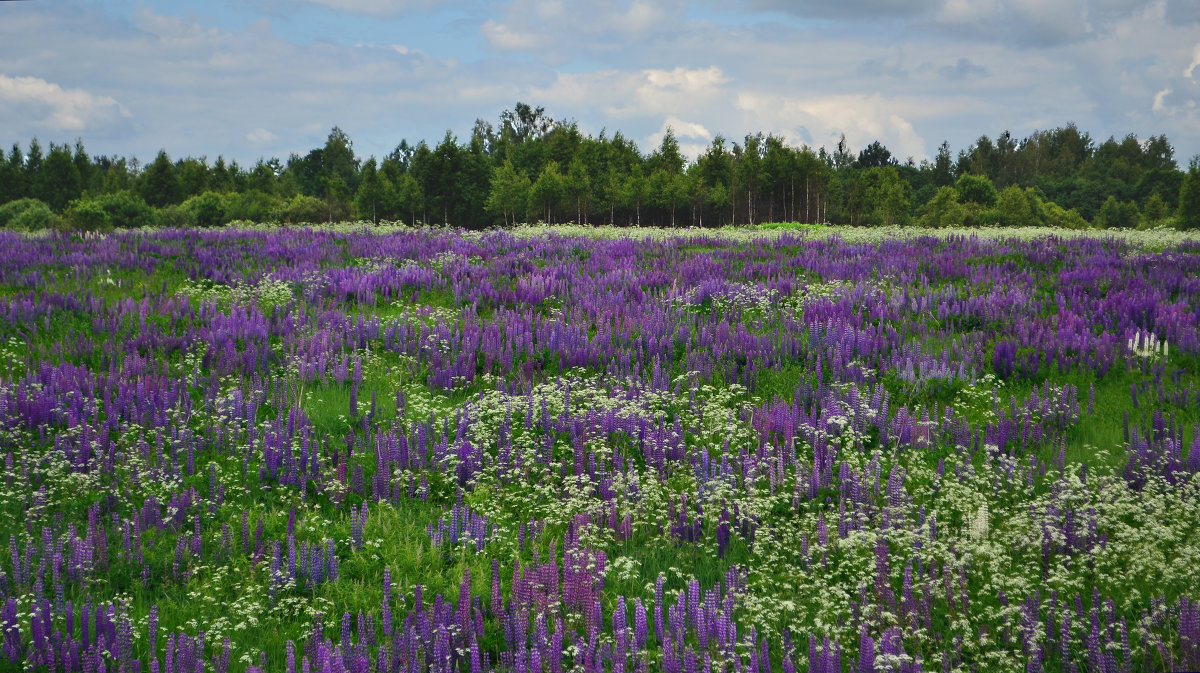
[
  {"x": 1018, "y": 207},
  {"x": 128, "y": 210},
  {"x": 88, "y": 215},
  {"x": 1116, "y": 214},
  {"x": 206, "y": 210},
  {"x": 1189, "y": 197},
  {"x": 175, "y": 216},
  {"x": 943, "y": 210},
  {"x": 976, "y": 189},
  {"x": 253, "y": 206},
  {"x": 1065, "y": 218},
  {"x": 26, "y": 215},
  {"x": 302, "y": 208},
  {"x": 1156, "y": 209}
]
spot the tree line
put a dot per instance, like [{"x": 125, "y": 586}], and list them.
[{"x": 529, "y": 167}]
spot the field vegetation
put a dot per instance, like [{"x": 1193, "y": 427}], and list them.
[{"x": 359, "y": 448}]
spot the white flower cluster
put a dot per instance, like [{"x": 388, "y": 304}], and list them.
[{"x": 1147, "y": 346}]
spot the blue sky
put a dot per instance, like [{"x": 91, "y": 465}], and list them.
[{"x": 262, "y": 78}]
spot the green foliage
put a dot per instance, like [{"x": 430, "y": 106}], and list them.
[
  {"x": 1118, "y": 214},
  {"x": 59, "y": 181},
  {"x": 1156, "y": 209},
  {"x": 763, "y": 177},
  {"x": 977, "y": 189},
  {"x": 159, "y": 184},
  {"x": 1017, "y": 207},
  {"x": 885, "y": 197},
  {"x": 26, "y": 215},
  {"x": 251, "y": 206},
  {"x": 578, "y": 187},
  {"x": 177, "y": 216},
  {"x": 303, "y": 209},
  {"x": 548, "y": 191},
  {"x": 206, "y": 210},
  {"x": 943, "y": 210},
  {"x": 123, "y": 209},
  {"x": 509, "y": 194},
  {"x": 1063, "y": 218},
  {"x": 1189, "y": 197},
  {"x": 371, "y": 190},
  {"x": 88, "y": 215}
]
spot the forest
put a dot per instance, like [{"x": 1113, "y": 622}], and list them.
[{"x": 529, "y": 167}]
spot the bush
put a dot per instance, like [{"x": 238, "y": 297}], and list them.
[
  {"x": 1156, "y": 209},
  {"x": 116, "y": 209},
  {"x": 254, "y": 206},
  {"x": 1189, "y": 197},
  {"x": 1064, "y": 218},
  {"x": 943, "y": 210},
  {"x": 1116, "y": 214},
  {"x": 26, "y": 215},
  {"x": 301, "y": 208},
  {"x": 88, "y": 215},
  {"x": 206, "y": 210},
  {"x": 128, "y": 210},
  {"x": 976, "y": 189},
  {"x": 1020, "y": 207},
  {"x": 175, "y": 216}
]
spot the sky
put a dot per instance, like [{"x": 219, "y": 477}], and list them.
[{"x": 251, "y": 79}]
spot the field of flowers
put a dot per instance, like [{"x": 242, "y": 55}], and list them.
[{"x": 345, "y": 450}]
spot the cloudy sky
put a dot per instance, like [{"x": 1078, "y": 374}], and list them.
[{"x": 262, "y": 78}]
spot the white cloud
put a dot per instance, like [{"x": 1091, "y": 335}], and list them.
[
  {"x": 55, "y": 108},
  {"x": 503, "y": 37},
  {"x": 933, "y": 70},
  {"x": 1158, "y": 99},
  {"x": 372, "y": 8},
  {"x": 820, "y": 120},
  {"x": 1195, "y": 61},
  {"x": 260, "y": 136}
]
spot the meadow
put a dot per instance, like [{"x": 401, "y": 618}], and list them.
[{"x": 353, "y": 449}]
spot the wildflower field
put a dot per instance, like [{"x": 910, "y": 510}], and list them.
[{"x": 331, "y": 450}]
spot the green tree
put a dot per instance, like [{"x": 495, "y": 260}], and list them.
[
  {"x": 159, "y": 183},
  {"x": 12, "y": 176},
  {"x": 509, "y": 192},
  {"x": 337, "y": 198},
  {"x": 611, "y": 186},
  {"x": 1189, "y": 196},
  {"x": 33, "y": 163},
  {"x": 748, "y": 172},
  {"x": 338, "y": 160},
  {"x": 548, "y": 190},
  {"x": 634, "y": 191},
  {"x": 262, "y": 178},
  {"x": 58, "y": 182},
  {"x": 370, "y": 191},
  {"x": 886, "y": 197},
  {"x": 1156, "y": 208},
  {"x": 410, "y": 197},
  {"x": 718, "y": 199},
  {"x": 193, "y": 177},
  {"x": 578, "y": 188},
  {"x": 88, "y": 176}
]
